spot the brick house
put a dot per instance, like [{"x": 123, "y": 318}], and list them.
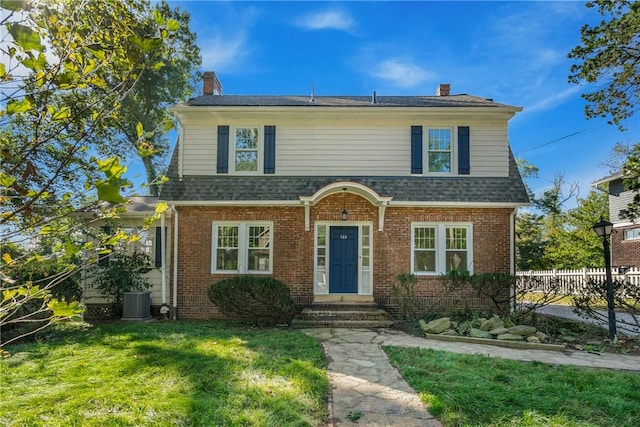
[
  {"x": 625, "y": 239},
  {"x": 337, "y": 195}
]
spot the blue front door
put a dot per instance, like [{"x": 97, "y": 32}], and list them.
[{"x": 343, "y": 260}]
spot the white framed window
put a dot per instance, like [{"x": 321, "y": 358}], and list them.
[
  {"x": 439, "y": 152},
  {"x": 245, "y": 152},
  {"x": 242, "y": 247},
  {"x": 440, "y": 248},
  {"x": 632, "y": 234},
  {"x": 138, "y": 239}
]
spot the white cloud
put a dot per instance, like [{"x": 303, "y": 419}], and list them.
[
  {"x": 328, "y": 20},
  {"x": 553, "y": 100},
  {"x": 223, "y": 54},
  {"x": 404, "y": 74}
]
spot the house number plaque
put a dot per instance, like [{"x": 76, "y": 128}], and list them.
[{"x": 343, "y": 237}]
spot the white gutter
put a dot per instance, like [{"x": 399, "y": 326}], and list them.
[
  {"x": 512, "y": 241},
  {"x": 163, "y": 259},
  {"x": 512, "y": 254},
  {"x": 393, "y": 203},
  {"x": 175, "y": 262}
]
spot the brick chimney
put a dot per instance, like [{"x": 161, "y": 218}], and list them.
[
  {"x": 443, "y": 89},
  {"x": 212, "y": 85}
]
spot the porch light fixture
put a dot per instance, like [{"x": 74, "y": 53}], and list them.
[
  {"x": 344, "y": 205},
  {"x": 604, "y": 229}
]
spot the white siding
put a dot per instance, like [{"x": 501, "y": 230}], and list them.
[
  {"x": 324, "y": 150},
  {"x": 489, "y": 150},
  {"x": 364, "y": 149},
  {"x": 199, "y": 149},
  {"x": 617, "y": 203}
]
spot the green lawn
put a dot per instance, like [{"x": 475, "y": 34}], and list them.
[
  {"x": 166, "y": 374},
  {"x": 475, "y": 390}
]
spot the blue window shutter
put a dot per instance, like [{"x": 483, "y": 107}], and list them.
[
  {"x": 416, "y": 150},
  {"x": 158, "y": 257},
  {"x": 464, "y": 159},
  {"x": 223, "y": 149},
  {"x": 270, "y": 149}
]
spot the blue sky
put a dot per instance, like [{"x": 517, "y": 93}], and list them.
[{"x": 513, "y": 52}]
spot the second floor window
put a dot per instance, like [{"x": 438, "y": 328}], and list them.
[
  {"x": 439, "y": 150},
  {"x": 246, "y": 149}
]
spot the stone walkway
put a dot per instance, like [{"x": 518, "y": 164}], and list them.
[{"x": 365, "y": 386}]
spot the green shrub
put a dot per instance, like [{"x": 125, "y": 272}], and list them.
[
  {"x": 122, "y": 273},
  {"x": 264, "y": 299},
  {"x": 404, "y": 294}
]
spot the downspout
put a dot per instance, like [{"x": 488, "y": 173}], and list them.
[
  {"x": 512, "y": 254},
  {"x": 175, "y": 262},
  {"x": 163, "y": 265}
]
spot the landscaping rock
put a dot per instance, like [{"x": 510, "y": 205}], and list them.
[
  {"x": 509, "y": 337},
  {"x": 542, "y": 336},
  {"x": 438, "y": 326},
  {"x": 423, "y": 325},
  {"x": 522, "y": 330},
  {"x": 569, "y": 339},
  {"x": 533, "y": 339},
  {"x": 479, "y": 333},
  {"x": 451, "y": 332},
  {"x": 499, "y": 331},
  {"x": 493, "y": 323}
]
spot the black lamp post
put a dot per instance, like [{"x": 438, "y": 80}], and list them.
[{"x": 604, "y": 229}]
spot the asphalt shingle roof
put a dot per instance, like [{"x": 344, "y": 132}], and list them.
[
  {"x": 342, "y": 101},
  {"x": 283, "y": 188}
]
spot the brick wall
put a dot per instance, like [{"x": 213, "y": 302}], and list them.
[
  {"x": 293, "y": 261},
  {"x": 624, "y": 252}
]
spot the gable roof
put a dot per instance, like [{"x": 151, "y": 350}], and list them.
[
  {"x": 278, "y": 188},
  {"x": 343, "y": 101}
]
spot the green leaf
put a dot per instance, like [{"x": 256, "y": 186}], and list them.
[
  {"x": 35, "y": 64},
  {"x": 6, "y": 180},
  {"x": 8, "y": 294},
  {"x": 16, "y": 107},
  {"x": 25, "y": 37},
  {"x": 158, "y": 17},
  {"x": 173, "y": 25},
  {"x": 3, "y": 71},
  {"x": 111, "y": 167},
  {"x": 109, "y": 193},
  {"x": 139, "y": 129},
  {"x": 6, "y": 257},
  {"x": 161, "y": 207},
  {"x": 97, "y": 51},
  {"x": 64, "y": 113},
  {"x": 15, "y": 5},
  {"x": 63, "y": 309},
  {"x": 151, "y": 44}
]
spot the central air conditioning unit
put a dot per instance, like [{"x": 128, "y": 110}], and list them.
[{"x": 137, "y": 306}]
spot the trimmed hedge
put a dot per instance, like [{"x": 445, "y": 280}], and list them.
[{"x": 263, "y": 299}]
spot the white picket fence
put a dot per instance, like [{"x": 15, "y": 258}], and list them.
[{"x": 574, "y": 281}]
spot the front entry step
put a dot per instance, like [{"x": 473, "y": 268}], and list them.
[{"x": 342, "y": 315}]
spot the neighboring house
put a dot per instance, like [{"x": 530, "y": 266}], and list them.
[
  {"x": 337, "y": 195},
  {"x": 625, "y": 240},
  {"x": 148, "y": 241}
]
